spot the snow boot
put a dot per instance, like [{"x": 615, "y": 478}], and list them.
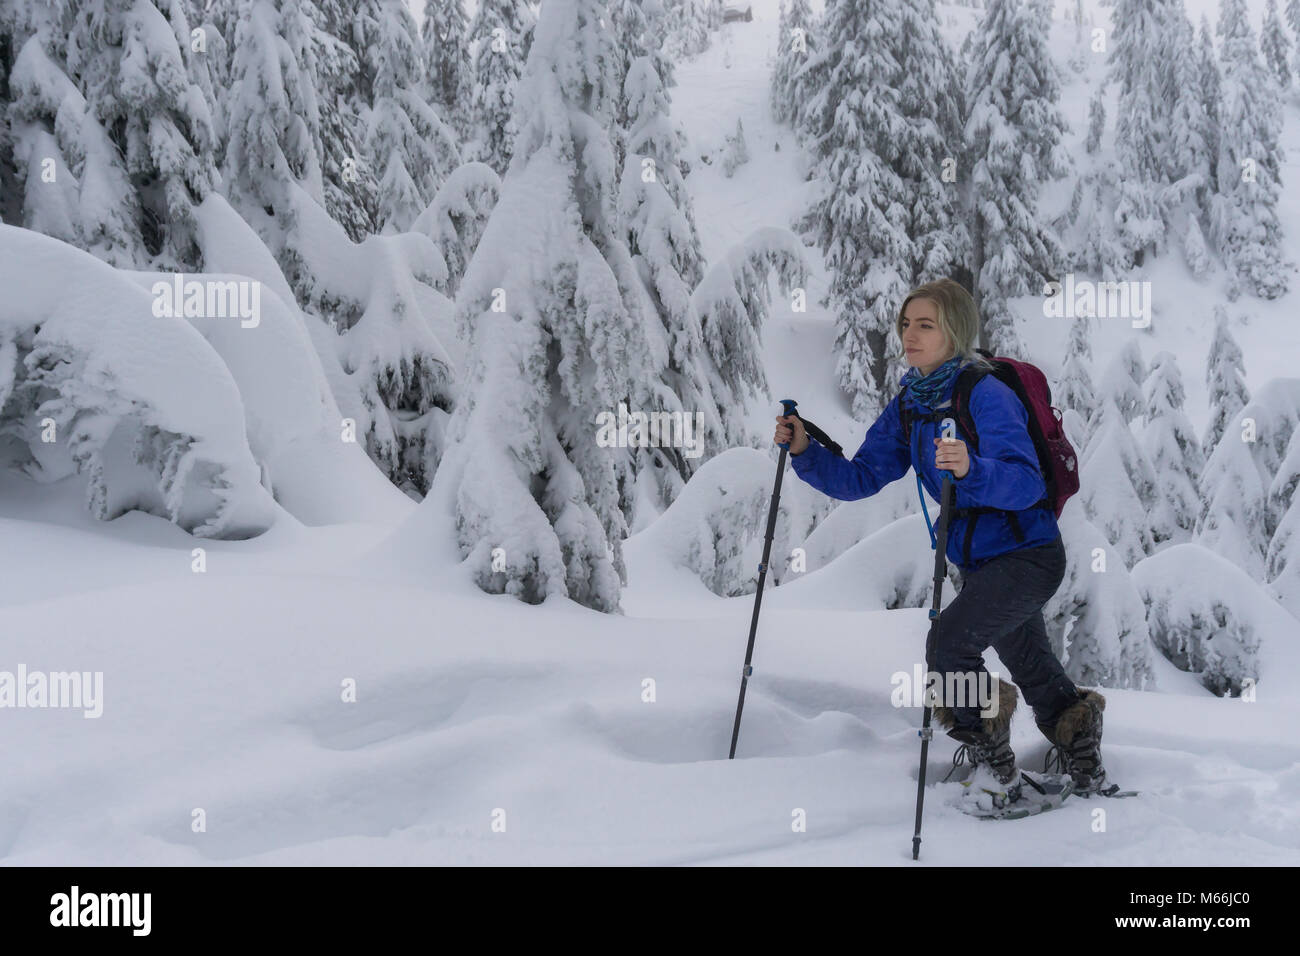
[
  {"x": 990, "y": 746},
  {"x": 1076, "y": 742}
]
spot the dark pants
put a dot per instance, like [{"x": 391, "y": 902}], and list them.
[{"x": 1000, "y": 605}]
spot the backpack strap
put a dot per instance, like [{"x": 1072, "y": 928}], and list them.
[{"x": 959, "y": 410}]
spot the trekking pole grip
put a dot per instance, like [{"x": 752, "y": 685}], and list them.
[{"x": 789, "y": 405}]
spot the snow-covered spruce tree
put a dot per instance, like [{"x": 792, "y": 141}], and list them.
[
  {"x": 1207, "y": 616},
  {"x": 74, "y": 185},
  {"x": 207, "y": 58},
  {"x": 1232, "y": 521},
  {"x": 497, "y": 33},
  {"x": 733, "y": 302},
  {"x": 131, "y": 70},
  {"x": 1293, "y": 21},
  {"x": 1097, "y": 247},
  {"x": 1076, "y": 389},
  {"x": 1118, "y": 485},
  {"x": 713, "y": 14},
  {"x": 736, "y": 153},
  {"x": 1282, "y": 560},
  {"x": 554, "y": 337},
  {"x": 1244, "y": 221},
  {"x": 1188, "y": 164},
  {"x": 929, "y": 143},
  {"x": 687, "y": 33},
  {"x": 1142, "y": 135},
  {"x": 1013, "y": 132},
  {"x": 406, "y": 140},
  {"x": 657, "y": 223},
  {"x": 860, "y": 215},
  {"x": 1225, "y": 377},
  {"x": 1096, "y": 122},
  {"x": 1123, "y": 380},
  {"x": 37, "y": 187},
  {"x": 797, "y": 43},
  {"x": 1209, "y": 85},
  {"x": 449, "y": 74},
  {"x": 456, "y": 218},
  {"x": 1275, "y": 46},
  {"x": 347, "y": 53},
  {"x": 1096, "y": 621},
  {"x": 715, "y": 528},
  {"x": 141, "y": 406},
  {"x": 1171, "y": 445},
  {"x": 273, "y": 119},
  {"x": 637, "y": 32}
]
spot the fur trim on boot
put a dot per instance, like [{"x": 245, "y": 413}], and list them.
[
  {"x": 1079, "y": 716},
  {"x": 1008, "y": 697}
]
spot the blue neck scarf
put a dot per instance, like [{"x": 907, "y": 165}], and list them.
[{"x": 929, "y": 389}]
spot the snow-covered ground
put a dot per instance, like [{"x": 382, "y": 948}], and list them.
[{"x": 486, "y": 731}]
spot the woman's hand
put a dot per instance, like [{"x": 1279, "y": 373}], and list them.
[
  {"x": 790, "y": 429},
  {"x": 950, "y": 455}
]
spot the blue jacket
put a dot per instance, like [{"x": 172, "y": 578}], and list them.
[{"x": 1005, "y": 474}]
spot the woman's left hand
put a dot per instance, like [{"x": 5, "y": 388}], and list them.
[{"x": 950, "y": 455}]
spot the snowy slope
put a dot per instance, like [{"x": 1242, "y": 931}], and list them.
[{"x": 223, "y": 689}]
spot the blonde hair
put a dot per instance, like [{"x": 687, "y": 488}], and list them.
[{"x": 959, "y": 319}]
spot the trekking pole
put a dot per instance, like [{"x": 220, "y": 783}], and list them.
[
  {"x": 789, "y": 404},
  {"x": 949, "y": 428}
]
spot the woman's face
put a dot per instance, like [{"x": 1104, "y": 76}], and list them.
[{"x": 924, "y": 344}]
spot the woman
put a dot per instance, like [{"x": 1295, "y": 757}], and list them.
[{"x": 1006, "y": 578}]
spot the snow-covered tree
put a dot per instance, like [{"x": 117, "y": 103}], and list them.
[
  {"x": 1096, "y": 122},
  {"x": 927, "y": 145},
  {"x": 860, "y": 215},
  {"x": 1118, "y": 485},
  {"x": 347, "y": 56},
  {"x": 638, "y": 30},
  {"x": 1293, "y": 21},
  {"x": 1171, "y": 445},
  {"x": 449, "y": 74},
  {"x": 406, "y": 139},
  {"x": 797, "y": 43},
  {"x": 497, "y": 32},
  {"x": 1225, "y": 377},
  {"x": 687, "y": 29},
  {"x": 127, "y": 61},
  {"x": 554, "y": 337},
  {"x": 733, "y": 302},
  {"x": 1209, "y": 83},
  {"x": 1245, "y": 221},
  {"x": 70, "y": 174},
  {"x": 1232, "y": 521},
  {"x": 715, "y": 527},
  {"x": 1275, "y": 46},
  {"x": 165, "y": 434},
  {"x": 1076, "y": 390},
  {"x": 272, "y": 114},
  {"x": 1123, "y": 380},
  {"x": 1207, "y": 616},
  {"x": 1282, "y": 560},
  {"x": 1013, "y": 131},
  {"x": 1187, "y": 165},
  {"x": 1096, "y": 621},
  {"x": 737, "y": 153},
  {"x": 1142, "y": 134},
  {"x": 657, "y": 223}
]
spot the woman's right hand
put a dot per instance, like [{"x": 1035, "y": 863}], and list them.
[{"x": 790, "y": 429}]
